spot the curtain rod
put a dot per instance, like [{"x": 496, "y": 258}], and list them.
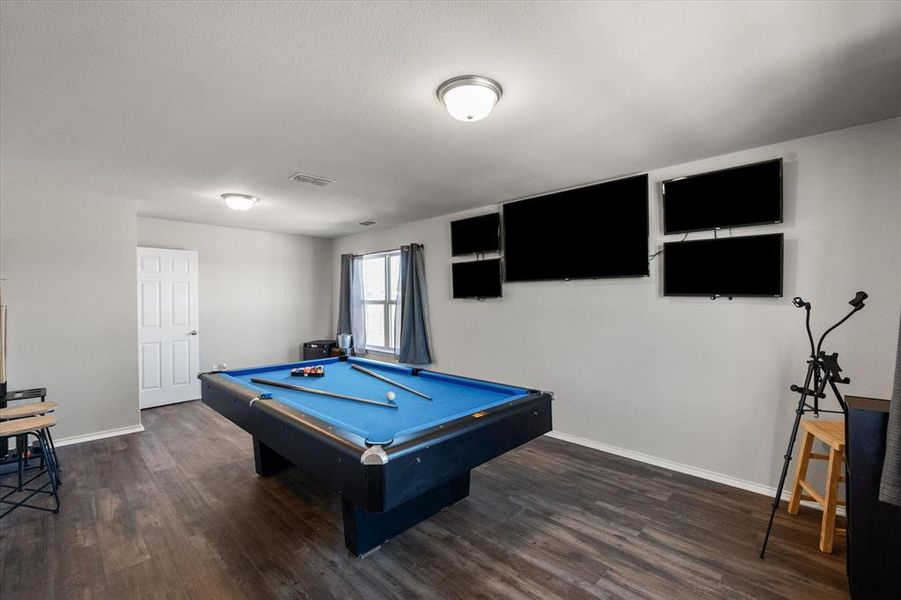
[{"x": 382, "y": 251}]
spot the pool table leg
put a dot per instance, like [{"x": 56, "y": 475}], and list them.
[
  {"x": 266, "y": 460},
  {"x": 366, "y": 531}
]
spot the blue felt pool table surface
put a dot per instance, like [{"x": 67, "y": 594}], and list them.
[{"x": 452, "y": 396}]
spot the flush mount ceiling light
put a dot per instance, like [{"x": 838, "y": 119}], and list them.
[
  {"x": 239, "y": 201},
  {"x": 470, "y": 97}
]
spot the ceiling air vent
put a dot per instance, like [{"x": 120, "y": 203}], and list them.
[
  {"x": 312, "y": 179},
  {"x": 366, "y": 223}
]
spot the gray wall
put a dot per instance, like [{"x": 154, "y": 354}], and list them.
[
  {"x": 69, "y": 265},
  {"x": 261, "y": 294},
  {"x": 689, "y": 380}
]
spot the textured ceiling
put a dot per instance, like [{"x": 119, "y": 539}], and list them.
[{"x": 172, "y": 104}]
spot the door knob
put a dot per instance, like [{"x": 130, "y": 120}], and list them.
[{"x": 194, "y": 332}]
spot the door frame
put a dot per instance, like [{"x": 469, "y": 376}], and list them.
[{"x": 192, "y": 386}]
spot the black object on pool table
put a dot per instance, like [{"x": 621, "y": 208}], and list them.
[
  {"x": 391, "y": 381},
  {"x": 300, "y": 388}
]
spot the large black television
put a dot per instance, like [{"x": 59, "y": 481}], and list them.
[
  {"x": 736, "y": 197},
  {"x": 477, "y": 279},
  {"x": 476, "y": 234},
  {"x": 733, "y": 266},
  {"x": 595, "y": 231}
]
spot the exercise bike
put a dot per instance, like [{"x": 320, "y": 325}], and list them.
[{"x": 822, "y": 370}]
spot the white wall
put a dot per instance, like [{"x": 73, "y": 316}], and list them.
[
  {"x": 261, "y": 294},
  {"x": 689, "y": 380},
  {"x": 69, "y": 266}
]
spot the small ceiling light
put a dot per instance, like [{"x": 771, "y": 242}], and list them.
[
  {"x": 239, "y": 201},
  {"x": 470, "y": 97}
]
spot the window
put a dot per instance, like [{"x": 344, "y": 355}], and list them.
[{"x": 380, "y": 280}]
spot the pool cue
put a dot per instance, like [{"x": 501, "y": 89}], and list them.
[
  {"x": 299, "y": 388},
  {"x": 386, "y": 380}
]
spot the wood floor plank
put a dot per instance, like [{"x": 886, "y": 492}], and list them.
[{"x": 178, "y": 512}]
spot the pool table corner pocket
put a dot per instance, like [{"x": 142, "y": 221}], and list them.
[{"x": 374, "y": 455}]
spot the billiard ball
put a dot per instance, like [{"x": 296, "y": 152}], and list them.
[{"x": 390, "y": 396}]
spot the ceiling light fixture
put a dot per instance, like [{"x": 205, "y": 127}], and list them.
[
  {"x": 239, "y": 201},
  {"x": 470, "y": 97}
]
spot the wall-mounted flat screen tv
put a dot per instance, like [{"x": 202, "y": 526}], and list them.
[
  {"x": 595, "y": 231},
  {"x": 478, "y": 279},
  {"x": 476, "y": 234},
  {"x": 732, "y": 266},
  {"x": 747, "y": 195}
]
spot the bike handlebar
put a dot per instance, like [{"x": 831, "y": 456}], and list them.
[{"x": 857, "y": 301}]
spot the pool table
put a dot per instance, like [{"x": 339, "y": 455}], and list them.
[{"x": 393, "y": 467}]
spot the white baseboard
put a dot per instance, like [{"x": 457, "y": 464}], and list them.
[
  {"x": 98, "y": 435},
  {"x": 670, "y": 465}
]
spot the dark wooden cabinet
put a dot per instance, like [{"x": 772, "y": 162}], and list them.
[{"x": 874, "y": 527}]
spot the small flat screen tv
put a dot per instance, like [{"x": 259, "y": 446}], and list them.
[
  {"x": 476, "y": 234},
  {"x": 733, "y": 266},
  {"x": 478, "y": 279},
  {"x": 595, "y": 231},
  {"x": 736, "y": 197}
]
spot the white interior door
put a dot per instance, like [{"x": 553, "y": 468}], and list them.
[{"x": 168, "y": 322}]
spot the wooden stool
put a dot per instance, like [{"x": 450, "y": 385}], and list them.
[
  {"x": 831, "y": 433},
  {"x": 37, "y": 427},
  {"x": 33, "y": 409},
  {"x": 27, "y": 410}
]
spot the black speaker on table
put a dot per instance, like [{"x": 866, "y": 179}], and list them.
[{"x": 318, "y": 349}]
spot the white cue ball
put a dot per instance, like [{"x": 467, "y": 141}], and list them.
[{"x": 390, "y": 395}]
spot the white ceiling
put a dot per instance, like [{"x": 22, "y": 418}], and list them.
[{"x": 172, "y": 104}]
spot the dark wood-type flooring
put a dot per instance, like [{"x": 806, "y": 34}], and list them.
[{"x": 178, "y": 512}]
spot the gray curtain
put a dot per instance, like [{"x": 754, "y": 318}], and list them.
[
  {"x": 357, "y": 309},
  {"x": 350, "y": 302},
  {"x": 890, "y": 488},
  {"x": 344, "y": 296},
  {"x": 412, "y": 321}
]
